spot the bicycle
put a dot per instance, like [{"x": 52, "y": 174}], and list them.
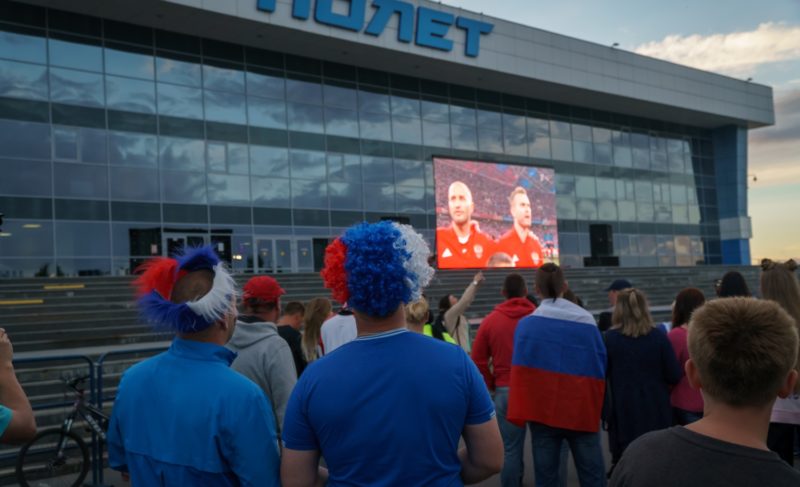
[{"x": 59, "y": 456}]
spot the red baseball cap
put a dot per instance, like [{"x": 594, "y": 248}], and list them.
[{"x": 263, "y": 288}]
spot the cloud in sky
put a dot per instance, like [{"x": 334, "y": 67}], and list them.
[
  {"x": 773, "y": 154},
  {"x": 735, "y": 54}
]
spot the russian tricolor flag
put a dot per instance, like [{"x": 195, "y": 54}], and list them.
[{"x": 558, "y": 369}]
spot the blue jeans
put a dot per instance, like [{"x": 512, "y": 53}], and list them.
[
  {"x": 547, "y": 445},
  {"x": 513, "y": 442}
]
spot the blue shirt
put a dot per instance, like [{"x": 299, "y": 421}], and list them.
[
  {"x": 388, "y": 409},
  {"x": 5, "y": 418},
  {"x": 184, "y": 418}
]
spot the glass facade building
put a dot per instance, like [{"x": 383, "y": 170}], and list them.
[{"x": 119, "y": 142}]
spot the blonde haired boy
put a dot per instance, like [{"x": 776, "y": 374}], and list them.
[{"x": 742, "y": 354}]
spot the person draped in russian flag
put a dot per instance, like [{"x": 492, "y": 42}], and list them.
[{"x": 557, "y": 385}]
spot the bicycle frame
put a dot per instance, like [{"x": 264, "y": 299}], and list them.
[{"x": 93, "y": 417}]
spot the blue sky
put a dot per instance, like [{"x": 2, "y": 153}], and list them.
[{"x": 739, "y": 38}]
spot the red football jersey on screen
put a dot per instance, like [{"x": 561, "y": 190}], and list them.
[
  {"x": 524, "y": 254},
  {"x": 472, "y": 253}
]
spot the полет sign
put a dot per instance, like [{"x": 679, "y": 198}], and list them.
[{"x": 427, "y": 27}]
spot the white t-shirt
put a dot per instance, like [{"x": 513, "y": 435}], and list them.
[{"x": 337, "y": 331}]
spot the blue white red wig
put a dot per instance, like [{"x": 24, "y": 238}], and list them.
[
  {"x": 375, "y": 268},
  {"x": 157, "y": 279}
]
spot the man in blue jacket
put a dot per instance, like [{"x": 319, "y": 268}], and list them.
[{"x": 184, "y": 417}]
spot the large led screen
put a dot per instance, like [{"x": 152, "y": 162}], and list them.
[{"x": 494, "y": 215}]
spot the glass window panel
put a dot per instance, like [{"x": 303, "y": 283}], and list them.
[
  {"x": 23, "y": 47},
  {"x": 562, "y": 149},
  {"x": 659, "y": 161},
  {"x": 377, "y": 170},
  {"x": 76, "y": 55},
  {"x": 22, "y": 80},
  {"x": 179, "y": 72},
  {"x": 538, "y": 127},
  {"x": 183, "y": 187},
  {"x": 568, "y": 243},
  {"x": 490, "y": 140},
  {"x": 344, "y": 167},
  {"x": 225, "y": 107},
  {"x": 435, "y": 134},
  {"x": 665, "y": 245},
  {"x": 626, "y": 211},
  {"x": 65, "y": 143},
  {"x": 490, "y": 119},
  {"x": 645, "y": 212},
  {"x": 647, "y": 245},
  {"x": 339, "y": 96},
  {"x": 566, "y": 207},
  {"x": 565, "y": 185},
  {"x": 69, "y": 266},
  {"x": 305, "y": 118},
  {"x": 623, "y": 156},
  {"x": 406, "y": 107},
  {"x": 680, "y": 214},
  {"x": 238, "y": 159},
  {"x": 694, "y": 214},
  {"x": 435, "y": 111},
  {"x": 465, "y": 137},
  {"x": 180, "y": 101},
  {"x": 82, "y": 239},
  {"x": 265, "y": 85},
  {"x": 407, "y": 130},
  {"x": 217, "y": 157},
  {"x": 606, "y": 188},
  {"x": 540, "y": 147},
  {"x": 663, "y": 213},
  {"x": 678, "y": 193},
  {"x": 25, "y": 178},
  {"x": 270, "y": 192},
  {"x": 266, "y": 112},
  {"x": 607, "y": 210},
  {"x": 184, "y": 154},
  {"x": 77, "y": 87},
  {"x": 26, "y": 239},
  {"x": 93, "y": 145},
  {"x": 373, "y": 102},
  {"x": 129, "y": 64},
  {"x": 131, "y": 149},
  {"x": 581, "y": 132},
  {"x": 309, "y": 194},
  {"x": 601, "y": 135},
  {"x": 223, "y": 79},
  {"x": 304, "y": 91},
  {"x": 463, "y": 115},
  {"x": 585, "y": 187},
  {"x": 602, "y": 154},
  {"x": 515, "y": 142},
  {"x": 79, "y": 181},
  {"x": 133, "y": 183},
  {"x": 307, "y": 164},
  {"x": 339, "y": 121},
  {"x": 376, "y": 126},
  {"x": 380, "y": 197},
  {"x": 409, "y": 173},
  {"x": 410, "y": 199},
  {"x": 24, "y": 139},
  {"x": 346, "y": 196},
  {"x": 644, "y": 190},
  {"x": 269, "y": 161},
  {"x": 227, "y": 189},
  {"x": 514, "y": 123},
  {"x": 582, "y": 151},
  {"x": 130, "y": 94},
  {"x": 641, "y": 158},
  {"x": 587, "y": 209}
]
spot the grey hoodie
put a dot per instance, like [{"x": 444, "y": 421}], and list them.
[{"x": 265, "y": 358}]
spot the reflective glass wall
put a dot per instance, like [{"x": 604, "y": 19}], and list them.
[{"x": 118, "y": 141}]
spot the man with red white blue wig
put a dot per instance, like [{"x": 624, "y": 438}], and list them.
[
  {"x": 184, "y": 417},
  {"x": 388, "y": 408}
]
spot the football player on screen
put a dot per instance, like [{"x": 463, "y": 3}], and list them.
[
  {"x": 520, "y": 242},
  {"x": 462, "y": 244}
]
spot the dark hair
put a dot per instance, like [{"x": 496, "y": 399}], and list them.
[
  {"x": 514, "y": 286},
  {"x": 733, "y": 285},
  {"x": 572, "y": 297},
  {"x": 687, "y": 300},
  {"x": 294, "y": 308},
  {"x": 444, "y": 303},
  {"x": 550, "y": 281}
]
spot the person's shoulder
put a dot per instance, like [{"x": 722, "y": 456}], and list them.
[
  {"x": 508, "y": 236},
  {"x": 644, "y": 446}
]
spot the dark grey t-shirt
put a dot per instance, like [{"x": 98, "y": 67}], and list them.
[{"x": 680, "y": 457}]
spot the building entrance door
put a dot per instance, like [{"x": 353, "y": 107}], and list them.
[
  {"x": 284, "y": 254},
  {"x": 174, "y": 243}
]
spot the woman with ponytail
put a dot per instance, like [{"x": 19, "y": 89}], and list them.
[{"x": 641, "y": 369}]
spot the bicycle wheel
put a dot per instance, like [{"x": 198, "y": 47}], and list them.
[{"x": 40, "y": 464}]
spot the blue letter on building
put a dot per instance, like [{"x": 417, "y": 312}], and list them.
[
  {"x": 266, "y": 5},
  {"x": 324, "y": 14},
  {"x": 385, "y": 9},
  {"x": 474, "y": 30},
  {"x": 432, "y": 27},
  {"x": 301, "y": 9}
]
